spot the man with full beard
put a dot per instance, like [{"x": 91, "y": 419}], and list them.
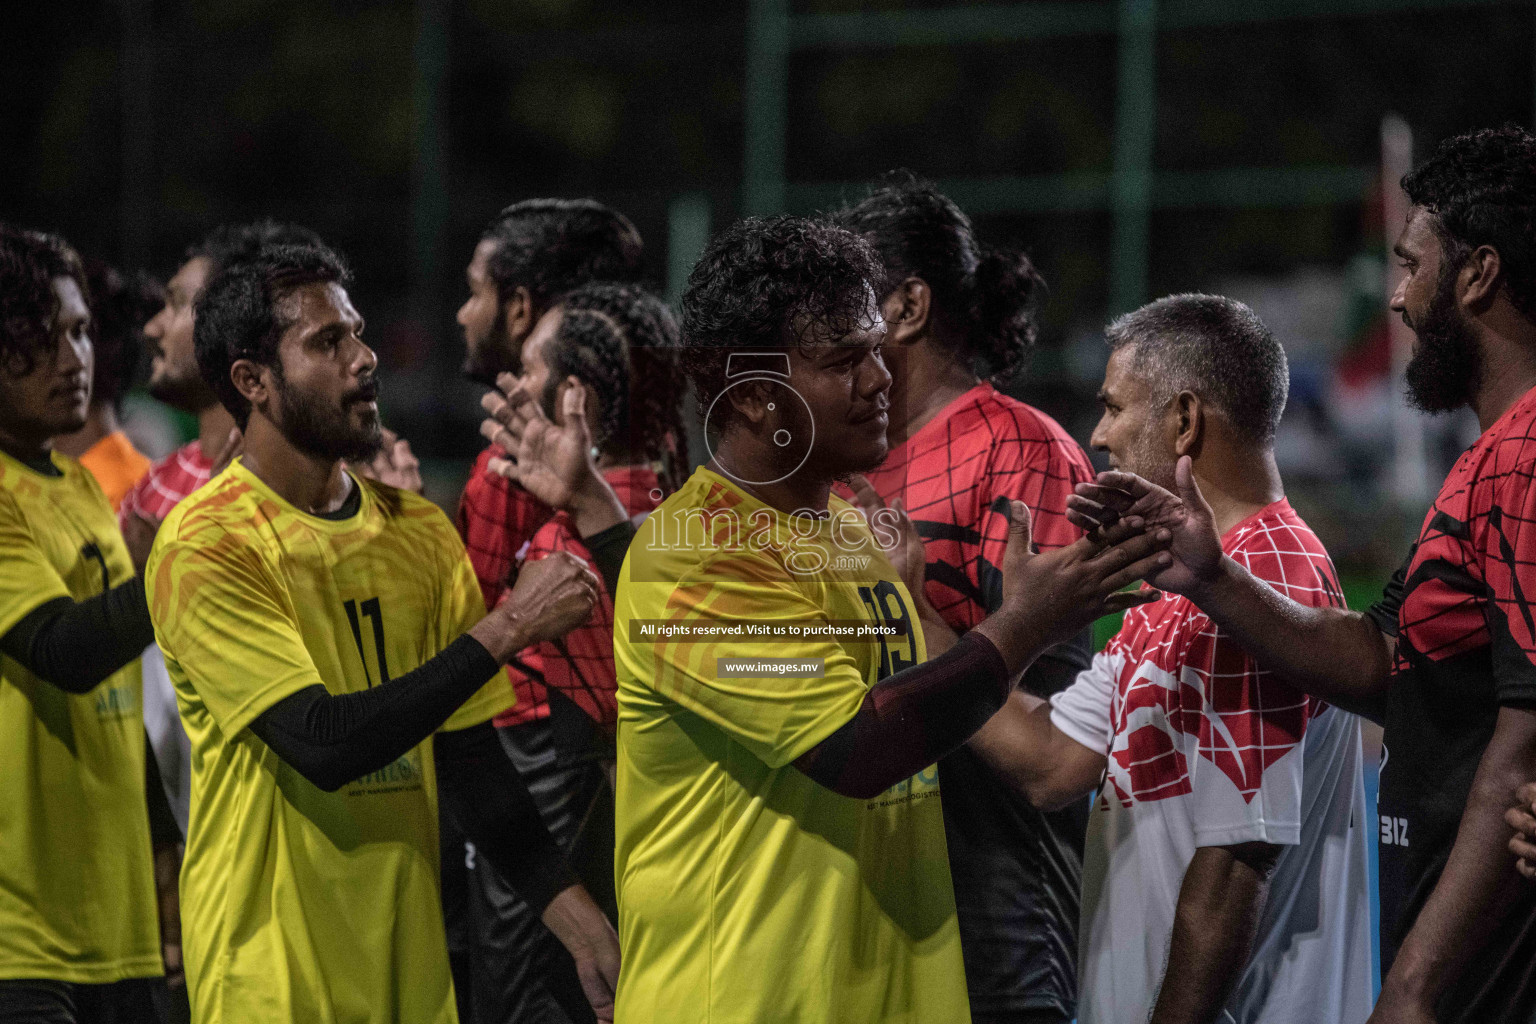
[
  {"x": 507, "y": 967},
  {"x": 337, "y": 671},
  {"x": 175, "y": 380},
  {"x": 1447, "y": 659}
]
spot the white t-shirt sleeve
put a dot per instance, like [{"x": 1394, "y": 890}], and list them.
[{"x": 1082, "y": 711}]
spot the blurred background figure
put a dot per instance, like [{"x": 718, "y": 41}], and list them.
[{"x": 120, "y": 306}]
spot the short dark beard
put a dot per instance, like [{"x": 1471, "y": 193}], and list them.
[
  {"x": 321, "y": 431},
  {"x": 497, "y": 356},
  {"x": 188, "y": 394},
  {"x": 1447, "y": 366}
]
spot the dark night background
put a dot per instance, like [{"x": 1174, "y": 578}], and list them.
[{"x": 396, "y": 129}]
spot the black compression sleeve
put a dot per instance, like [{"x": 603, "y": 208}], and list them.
[
  {"x": 486, "y": 797},
  {"x": 163, "y": 829},
  {"x": 75, "y": 645},
  {"x": 331, "y": 739},
  {"x": 608, "y": 548},
  {"x": 911, "y": 719}
]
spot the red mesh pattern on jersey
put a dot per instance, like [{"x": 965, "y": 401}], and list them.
[
  {"x": 955, "y": 477},
  {"x": 1181, "y": 677},
  {"x": 496, "y": 518},
  {"x": 580, "y": 664},
  {"x": 1478, "y": 543},
  {"x": 165, "y": 483}
]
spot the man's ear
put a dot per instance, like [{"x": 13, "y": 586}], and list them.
[
  {"x": 518, "y": 313},
  {"x": 906, "y": 311},
  {"x": 252, "y": 380},
  {"x": 1189, "y": 418},
  {"x": 750, "y": 400},
  {"x": 562, "y": 395},
  {"x": 1479, "y": 278}
]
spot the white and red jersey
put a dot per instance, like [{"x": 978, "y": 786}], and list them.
[
  {"x": 167, "y": 481},
  {"x": 1206, "y": 748}
]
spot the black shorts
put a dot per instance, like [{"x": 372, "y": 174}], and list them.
[
  {"x": 135, "y": 1001},
  {"x": 509, "y": 968}
]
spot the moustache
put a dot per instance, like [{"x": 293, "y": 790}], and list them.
[{"x": 367, "y": 391}]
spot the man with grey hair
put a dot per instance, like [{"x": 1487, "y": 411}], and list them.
[{"x": 1232, "y": 879}]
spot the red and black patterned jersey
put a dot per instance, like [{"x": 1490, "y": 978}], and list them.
[
  {"x": 1017, "y": 872},
  {"x": 956, "y": 476},
  {"x": 496, "y": 518},
  {"x": 1462, "y": 608},
  {"x": 502, "y": 525}
]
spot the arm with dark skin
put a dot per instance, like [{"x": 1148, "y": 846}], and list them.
[
  {"x": 165, "y": 839},
  {"x": 911, "y": 719},
  {"x": 1220, "y": 903},
  {"x": 1332, "y": 653},
  {"x": 487, "y": 798},
  {"x": 332, "y": 739},
  {"x": 1471, "y": 896},
  {"x": 1018, "y": 742}
]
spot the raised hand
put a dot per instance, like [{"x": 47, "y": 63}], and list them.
[
  {"x": 1050, "y": 596},
  {"x": 1522, "y": 818},
  {"x": 395, "y": 465},
  {"x": 1195, "y": 544},
  {"x": 552, "y": 461}
]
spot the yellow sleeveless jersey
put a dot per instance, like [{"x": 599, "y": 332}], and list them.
[
  {"x": 298, "y": 904},
  {"x": 77, "y": 889},
  {"x": 747, "y": 892}
]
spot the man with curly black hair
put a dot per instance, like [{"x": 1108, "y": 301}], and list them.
[
  {"x": 781, "y": 848},
  {"x": 79, "y": 936},
  {"x": 1447, "y": 659}
]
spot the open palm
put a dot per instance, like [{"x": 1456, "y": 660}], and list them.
[{"x": 550, "y": 460}]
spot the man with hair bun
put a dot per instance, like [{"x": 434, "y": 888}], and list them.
[
  {"x": 1447, "y": 659},
  {"x": 1231, "y": 804},
  {"x": 960, "y": 316}
]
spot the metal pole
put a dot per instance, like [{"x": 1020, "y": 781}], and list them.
[
  {"x": 767, "y": 100},
  {"x": 137, "y": 82},
  {"x": 687, "y": 234},
  {"x": 1135, "y": 126},
  {"x": 429, "y": 190}
]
